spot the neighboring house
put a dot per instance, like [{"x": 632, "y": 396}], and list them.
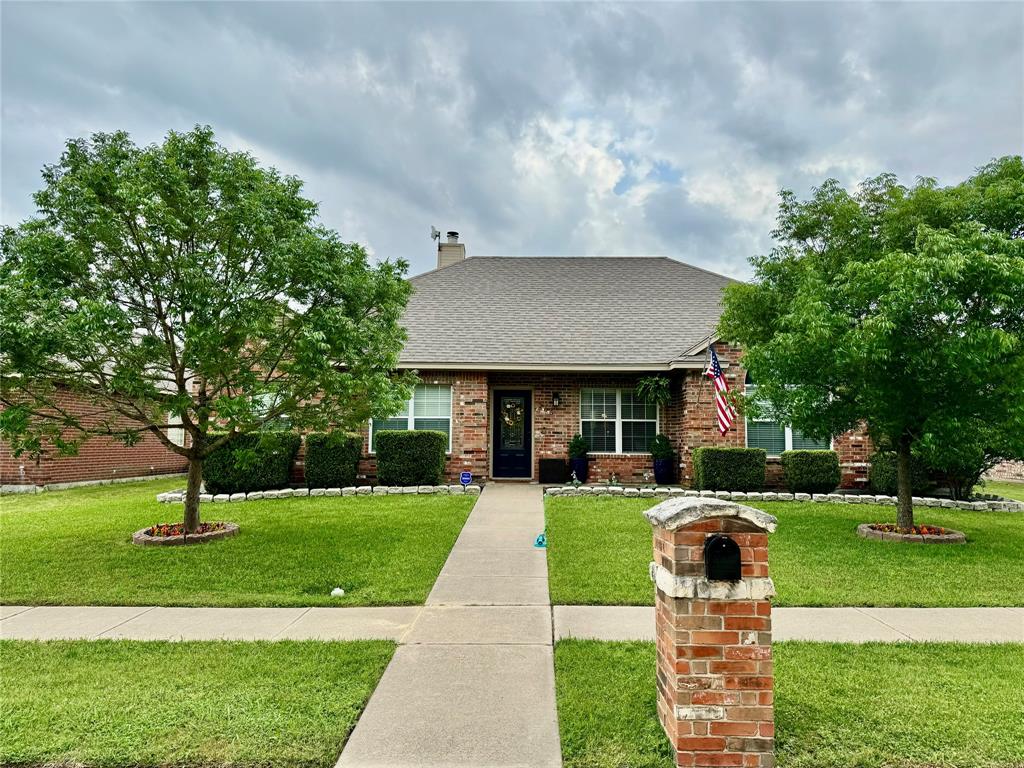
[
  {"x": 98, "y": 459},
  {"x": 517, "y": 355}
]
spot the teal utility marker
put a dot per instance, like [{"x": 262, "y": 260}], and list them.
[{"x": 541, "y": 542}]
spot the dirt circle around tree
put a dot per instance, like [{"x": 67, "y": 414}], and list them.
[
  {"x": 170, "y": 535},
  {"x": 921, "y": 534}
]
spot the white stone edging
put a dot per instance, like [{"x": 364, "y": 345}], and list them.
[
  {"x": 177, "y": 497},
  {"x": 1003, "y": 505},
  {"x": 760, "y": 588}
]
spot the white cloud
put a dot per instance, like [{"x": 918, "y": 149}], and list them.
[{"x": 531, "y": 128}]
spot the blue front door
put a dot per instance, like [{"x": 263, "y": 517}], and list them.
[{"x": 513, "y": 453}]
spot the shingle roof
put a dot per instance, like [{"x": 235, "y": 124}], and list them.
[{"x": 546, "y": 312}]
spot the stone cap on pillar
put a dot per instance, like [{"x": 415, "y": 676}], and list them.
[
  {"x": 682, "y": 528},
  {"x": 682, "y": 511}
]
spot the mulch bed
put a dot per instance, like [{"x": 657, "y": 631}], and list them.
[{"x": 918, "y": 534}]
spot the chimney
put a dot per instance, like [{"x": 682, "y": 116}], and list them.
[{"x": 450, "y": 252}]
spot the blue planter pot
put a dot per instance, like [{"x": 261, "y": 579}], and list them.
[
  {"x": 664, "y": 471},
  {"x": 580, "y": 467}
]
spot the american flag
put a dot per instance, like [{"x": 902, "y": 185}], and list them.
[{"x": 726, "y": 413}]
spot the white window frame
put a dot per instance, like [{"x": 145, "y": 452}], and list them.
[
  {"x": 411, "y": 417},
  {"x": 787, "y": 431},
  {"x": 176, "y": 430},
  {"x": 618, "y": 421}
]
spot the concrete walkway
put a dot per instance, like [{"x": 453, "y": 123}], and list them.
[
  {"x": 474, "y": 683},
  {"x": 471, "y": 625}
]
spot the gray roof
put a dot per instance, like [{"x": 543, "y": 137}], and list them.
[{"x": 562, "y": 312}]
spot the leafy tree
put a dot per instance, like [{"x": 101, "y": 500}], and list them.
[
  {"x": 902, "y": 308},
  {"x": 185, "y": 279}
]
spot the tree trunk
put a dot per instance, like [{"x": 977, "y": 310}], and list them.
[
  {"x": 195, "y": 479},
  {"x": 904, "y": 487}
]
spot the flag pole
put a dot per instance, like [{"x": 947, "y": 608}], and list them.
[{"x": 703, "y": 373}]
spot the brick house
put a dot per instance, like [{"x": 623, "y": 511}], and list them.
[
  {"x": 517, "y": 355},
  {"x": 98, "y": 459}
]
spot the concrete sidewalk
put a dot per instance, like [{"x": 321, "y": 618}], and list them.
[
  {"x": 482, "y": 625},
  {"x": 838, "y": 625},
  {"x": 474, "y": 683}
]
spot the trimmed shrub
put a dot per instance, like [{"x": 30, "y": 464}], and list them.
[
  {"x": 332, "y": 459},
  {"x": 578, "y": 447},
  {"x": 410, "y": 457},
  {"x": 253, "y": 462},
  {"x": 882, "y": 474},
  {"x": 811, "y": 471},
  {"x": 729, "y": 469}
]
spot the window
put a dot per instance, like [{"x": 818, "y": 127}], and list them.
[
  {"x": 775, "y": 437},
  {"x": 175, "y": 431},
  {"x": 616, "y": 421},
  {"x": 430, "y": 407}
]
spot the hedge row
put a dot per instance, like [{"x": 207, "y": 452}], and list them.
[
  {"x": 410, "y": 458},
  {"x": 811, "y": 471},
  {"x": 729, "y": 469},
  {"x": 255, "y": 462},
  {"x": 260, "y": 462},
  {"x": 882, "y": 475},
  {"x": 332, "y": 459}
]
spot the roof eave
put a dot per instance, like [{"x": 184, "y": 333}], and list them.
[{"x": 596, "y": 367}]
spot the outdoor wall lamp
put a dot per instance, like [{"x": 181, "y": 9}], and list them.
[{"x": 556, "y": 400}]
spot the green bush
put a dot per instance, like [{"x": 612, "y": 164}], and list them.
[
  {"x": 729, "y": 469},
  {"x": 661, "y": 448},
  {"x": 882, "y": 474},
  {"x": 253, "y": 462},
  {"x": 811, "y": 471},
  {"x": 410, "y": 457},
  {"x": 578, "y": 447},
  {"x": 332, "y": 459}
]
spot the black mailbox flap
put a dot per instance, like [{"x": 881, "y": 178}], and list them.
[{"x": 721, "y": 559}]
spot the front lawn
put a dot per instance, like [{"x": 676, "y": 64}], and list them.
[
  {"x": 599, "y": 549},
  {"x": 74, "y": 548},
  {"x": 1005, "y": 488},
  {"x": 124, "y": 703},
  {"x": 836, "y": 705}
]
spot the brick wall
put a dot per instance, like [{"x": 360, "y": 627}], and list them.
[
  {"x": 688, "y": 421},
  {"x": 1007, "y": 470},
  {"x": 715, "y": 675},
  {"x": 470, "y": 425},
  {"x": 100, "y": 458}
]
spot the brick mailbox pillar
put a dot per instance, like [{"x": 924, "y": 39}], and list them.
[{"x": 713, "y": 624}]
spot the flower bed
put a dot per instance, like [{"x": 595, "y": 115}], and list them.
[
  {"x": 173, "y": 534},
  {"x": 918, "y": 534},
  {"x": 1000, "y": 505}
]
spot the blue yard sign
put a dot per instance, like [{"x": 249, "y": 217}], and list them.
[{"x": 466, "y": 478}]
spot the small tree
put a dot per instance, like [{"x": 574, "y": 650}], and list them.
[
  {"x": 899, "y": 308},
  {"x": 184, "y": 279}
]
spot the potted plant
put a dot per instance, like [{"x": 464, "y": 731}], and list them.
[
  {"x": 664, "y": 460},
  {"x": 578, "y": 462}
]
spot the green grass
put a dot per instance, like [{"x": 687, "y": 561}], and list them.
[
  {"x": 1005, "y": 488},
  {"x": 74, "y": 548},
  {"x": 855, "y": 706},
  {"x": 599, "y": 549},
  {"x": 123, "y": 703}
]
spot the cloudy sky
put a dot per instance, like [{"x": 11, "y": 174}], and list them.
[{"x": 533, "y": 129}]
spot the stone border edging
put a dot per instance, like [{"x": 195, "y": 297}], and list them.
[
  {"x": 143, "y": 539},
  {"x": 865, "y": 531},
  {"x": 175, "y": 497},
  {"x": 1004, "y": 505}
]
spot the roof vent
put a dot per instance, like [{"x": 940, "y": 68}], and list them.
[{"x": 451, "y": 252}]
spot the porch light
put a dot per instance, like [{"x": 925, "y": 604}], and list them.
[{"x": 556, "y": 400}]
